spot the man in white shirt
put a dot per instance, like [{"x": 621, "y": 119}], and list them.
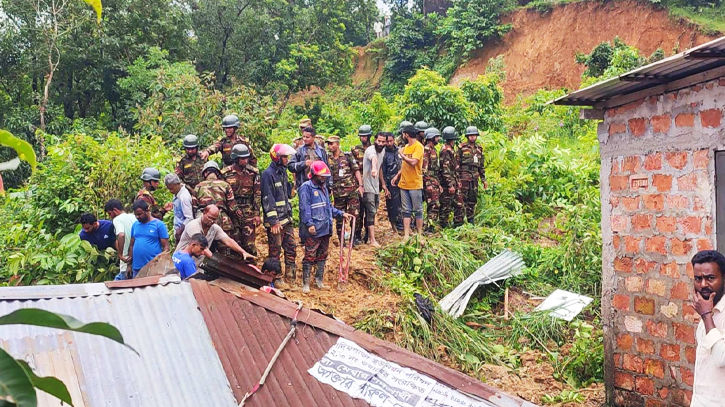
[
  {"x": 122, "y": 223},
  {"x": 708, "y": 389},
  {"x": 181, "y": 204}
]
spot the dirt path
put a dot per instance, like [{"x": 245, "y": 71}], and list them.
[{"x": 533, "y": 380}]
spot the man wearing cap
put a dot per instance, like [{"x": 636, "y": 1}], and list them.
[
  {"x": 150, "y": 177},
  {"x": 304, "y": 123},
  {"x": 431, "y": 185},
  {"x": 304, "y": 157},
  {"x": 224, "y": 145},
  {"x": 451, "y": 198},
  {"x": 358, "y": 152},
  {"x": 245, "y": 182},
  {"x": 277, "y": 210},
  {"x": 346, "y": 180},
  {"x": 316, "y": 213},
  {"x": 320, "y": 140},
  {"x": 297, "y": 142},
  {"x": 189, "y": 167},
  {"x": 471, "y": 169},
  {"x": 214, "y": 190}
]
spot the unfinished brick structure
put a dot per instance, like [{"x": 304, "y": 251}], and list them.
[{"x": 658, "y": 149}]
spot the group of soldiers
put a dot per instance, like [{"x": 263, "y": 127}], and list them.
[{"x": 451, "y": 180}]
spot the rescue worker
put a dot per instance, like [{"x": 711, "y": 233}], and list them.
[
  {"x": 431, "y": 184},
  {"x": 224, "y": 145},
  {"x": 358, "y": 152},
  {"x": 471, "y": 169},
  {"x": 346, "y": 180},
  {"x": 276, "y": 190},
  {"x": 451, "y": 198},
  {"x": 150, "y": 177},
  {"x": 245, "y": 182},
  {"x": 214, "y": 190},
  {"x": 316, "y": 213},
  {"x": 421, "y": 127},
  {"x": 310, "y": 152},
  {"x": 189, "y": 167}
]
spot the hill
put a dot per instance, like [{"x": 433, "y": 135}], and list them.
[{"x": 539, "y": 51}]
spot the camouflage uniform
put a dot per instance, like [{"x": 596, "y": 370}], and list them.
[
  {"x": 156, "y": 211},
  {"x": 224, "y": 145},
  {"x": 219, "y": 193},
  {"x": 358, "y": 152},
  {"x": 247, "y": 190},
  {"x": 344, "y": 185},
  {"x": 449, "y": 178},
  {"x": 470, "y": 161},
  {"x": 189, "y": 170},
  {"x": 431, "y": 186}
]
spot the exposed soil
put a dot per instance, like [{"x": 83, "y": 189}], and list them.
[
  {"x": 531, "y": 381},
  {"x": 368, "y": 64},
  {"x": 539, "y": 51}
]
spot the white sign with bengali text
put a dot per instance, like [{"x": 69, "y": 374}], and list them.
[{"x": 351, "y": 369}]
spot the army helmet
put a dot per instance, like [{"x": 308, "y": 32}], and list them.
[
  {"x": 404, "y": 124},
  {"x": 240, "y": 151},
  {"x": 230, "y": 121},
  {"x": 150, "y": 174},
  {"x": 365, "y": 130},
  {"x": 449, "y": 133},
  {"x": 210, "y": 165},
  {"x": 421, "y": 126},
  {"x": 431, "y": 133},
  {"x": 191, "y": 141},
  {"x": 471, "y": 131}
]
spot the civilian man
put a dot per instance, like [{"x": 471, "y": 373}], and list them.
[
  {"x": 390, "y": 168},
  {"x": 410, "y": 181},
  {"x": 149, "y": 237},
  {"x": 181, "y": 204},
  {"x": 708, "y": 389},
  {"x": 372, "y": 183},
  {"x": 184, "y": 259},
  {"x": 207, "y": 225},
  {"x": 310, "y": 152},
  {"x": 122, "y": 224},
  {"x": 99, "y": 233}
]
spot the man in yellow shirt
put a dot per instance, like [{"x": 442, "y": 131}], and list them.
[{"x": 410, "y": 180}]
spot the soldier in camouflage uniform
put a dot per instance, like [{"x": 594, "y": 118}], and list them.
[
  {"x": 346, "y": 180},
  {"x": 470, "y": 161},
  {"x": 214, "y": 190},
  {"x": 451, "y": 198},
  {"x": 421, "y": 127},
  {"x": 431, "y": 185},
  {"x": 224, "y": 145},
  {"x": 245, "y": 182},
  {"x": 358, "y": 152},
  {"x": 189, "y": 168},
  {"x": 150, "y": 177}
]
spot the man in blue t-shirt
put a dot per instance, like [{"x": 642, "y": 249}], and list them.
[
  {"x": 99, "y": 233},
  {"x": 149, "y": 237},
  {"x": 183, "y": 259}
]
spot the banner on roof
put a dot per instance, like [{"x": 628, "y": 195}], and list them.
[{"x": 351, "y": 369}]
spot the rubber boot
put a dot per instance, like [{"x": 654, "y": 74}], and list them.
[
  {"x": 291, "y": 273},
  {"x": 306, "y": 271},
  {"x": 319, "y": 275}
]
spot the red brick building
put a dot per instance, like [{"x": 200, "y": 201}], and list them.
[{"x": 662, "y": 145}]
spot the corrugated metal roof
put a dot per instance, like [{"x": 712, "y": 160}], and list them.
[
  {"x": 177, "y": 366},
  {"x": 247, "y": 335},
  {"x": 697, "y": 60}
]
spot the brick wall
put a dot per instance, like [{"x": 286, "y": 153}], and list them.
[{"x": 657, "y": 211}]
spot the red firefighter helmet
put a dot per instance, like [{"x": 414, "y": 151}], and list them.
[
  {"x": 280, "y": 150},
  {"x": 319, "y": 168}
]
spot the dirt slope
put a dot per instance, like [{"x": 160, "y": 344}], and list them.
[{"x": 539, "y": 51}]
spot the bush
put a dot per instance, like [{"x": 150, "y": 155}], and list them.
[{"x": 79, "y": 175}]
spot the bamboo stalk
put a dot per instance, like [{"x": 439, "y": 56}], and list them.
[{"x": 506, "y": 304}]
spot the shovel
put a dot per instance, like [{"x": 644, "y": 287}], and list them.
[{"x": 345, "y": 265}]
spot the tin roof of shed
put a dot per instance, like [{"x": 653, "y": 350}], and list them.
[
  {"x": 201, "y": 344},
  {"x": 699, "y": 64}
]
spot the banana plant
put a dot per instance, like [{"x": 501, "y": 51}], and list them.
[{"x": 18, "y": 383}]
